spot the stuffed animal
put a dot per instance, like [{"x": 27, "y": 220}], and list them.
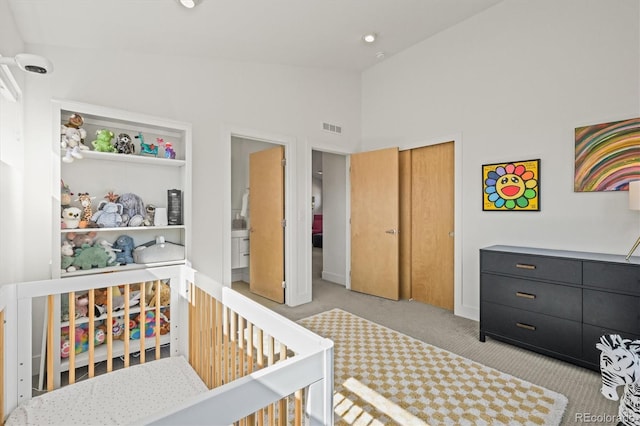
[
  {"x": 124, "y": 249},
  {"x": 71, "y": 217},
  {"x": 67, "y": 254},
  {"x": 72, "y": 138},
  {"x": 91, "y": 257},
  {"x": 81, "y": 239},
  {"x": 165, "y": 295},
  {"x": 133, "y": 209},
  {"x": 168, "y": 151},
  {"x": 103, "y": 141},
  {"x": 124, "y": 144},
  {"x": 108, "y": 247},
  {"x": 108, "y": 215},
  {"x": 82, "y": 303},
  {"x": 87, "y": 212},
  {"x": 150, "y": 214},
  {"x": 65, "y": 195}
]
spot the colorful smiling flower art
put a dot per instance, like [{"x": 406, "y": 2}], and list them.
[{"x": 511, "y": 186}]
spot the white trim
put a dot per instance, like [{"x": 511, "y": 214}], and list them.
[
  {"x": 9, "y": 87},
  {"x": 290, "y": 256},
  {"x": 460, "y": 308}
]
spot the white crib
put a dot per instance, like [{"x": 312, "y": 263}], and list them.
[{"x": 252, "y": 365}]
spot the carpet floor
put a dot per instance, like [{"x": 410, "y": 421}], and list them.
[{"x": 384, "y": 377}]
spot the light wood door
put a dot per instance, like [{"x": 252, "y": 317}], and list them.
[
  {"x": 374, "y": 223},
  {"x": 432, "y": 220},
  {"x": 266, "y": 212}
]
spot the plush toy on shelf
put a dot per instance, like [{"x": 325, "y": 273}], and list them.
[
  {"x": 133, "y": 209},
  {"x": 65, "y": 195},
  {"x": 81, "y": 239},
  {"x": 71, "y": 217},
  {"x": 108, "y": 215},
  {"x": 67, "y": 256},
  {"x": 91, "y": 257},
  {"x": 72, "y": 138},
  {"x": 147, "y": 148},
  {"x": 103, "y": 141},
  {"x": 87, "y": 211},
  {"x": 82, "y": 303},
  {"x": 81, "y": 339},
  {"x": 165, "y": 295},
  {"x": 124, "y": 249},
  {"x": 124, "y": 144}
]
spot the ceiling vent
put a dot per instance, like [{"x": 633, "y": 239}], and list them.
[{"x": 331, "y": 128}]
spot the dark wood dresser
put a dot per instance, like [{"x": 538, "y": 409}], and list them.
[{"x": 556, "y": 302}]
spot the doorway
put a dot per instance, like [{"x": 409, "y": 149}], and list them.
[
  {"x": 258, "y": 212},
  {"x": 329, "y": 217}
]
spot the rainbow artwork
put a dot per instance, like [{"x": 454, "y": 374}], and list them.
[{"x": 607, "y": 156}]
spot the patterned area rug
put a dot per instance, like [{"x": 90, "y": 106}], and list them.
[{"x": 383, "y": 377}]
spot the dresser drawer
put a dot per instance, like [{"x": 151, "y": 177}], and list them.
[
  {"x": 611, "y": 310},
  {"x": 554, "y": 334},
  {"x": 532, "y": 266},
  {"x": 612, "y": 276},
  {"x": 551, "y": 299},
  {"x": 591, "y": 335}
]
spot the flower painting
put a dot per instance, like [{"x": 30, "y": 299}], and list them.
[{"x": 513, "y": 186}]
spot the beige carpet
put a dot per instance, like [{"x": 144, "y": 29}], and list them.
[{"x": 384, "y": 377}]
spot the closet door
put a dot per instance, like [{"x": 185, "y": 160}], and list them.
[
  {"x": 266, "y": 210},
  {"x": 432, "y": 220},
  {"x": 374, "y": 179}
]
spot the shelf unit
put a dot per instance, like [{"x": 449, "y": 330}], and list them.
[{"x": 98, "y": 173}]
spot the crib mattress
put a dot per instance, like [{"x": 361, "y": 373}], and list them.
[{"x": 120, "y": 397}]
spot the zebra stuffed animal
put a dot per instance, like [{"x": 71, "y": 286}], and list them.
[{"x": 620, "y": 365}]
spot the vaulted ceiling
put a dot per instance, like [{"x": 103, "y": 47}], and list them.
[{"x": 305, "y": 33}]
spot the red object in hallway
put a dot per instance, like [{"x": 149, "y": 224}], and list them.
[{"x": 316, "y": 227}]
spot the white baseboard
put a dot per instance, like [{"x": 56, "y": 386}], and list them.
[{"x": 334, "y": 278}]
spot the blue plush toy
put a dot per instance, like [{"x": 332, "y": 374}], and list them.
[{"x": 123, "y": 247}]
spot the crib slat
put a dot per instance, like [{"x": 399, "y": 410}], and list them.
[
  {"x": 50, "y": 343},
  {"x": 125, "y": 323},
  {"x": 72, "y": 337},
  {"x": 109, "y": 338},
  {"x": 92, "y": 332},
  {"x": 218, "y": 345},
  {"x": 141, "y": 321}
]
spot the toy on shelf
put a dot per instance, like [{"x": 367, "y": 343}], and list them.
[
  {"x": 165, "y": 295},
  {"x": 103, "y": 141},
  {"x": 124, "y": 144},
  {"x": 65, "y": 195},
  {"x": 82, "y": 303},
  {"x": 81, "y": 343},
  {"x": 108, "y": 247},
  {"x": 72, "y": 138},
  {"x": 81, "y": 239},
  {"x": 109, "y": 213},
  {"x": 71, "y": 217},
  {"x": 91, "y": 257},
  {"x": 150, "y": 215},
  {"x": 67, "y": 255},
  {"x": 146, "y": 148},
  {"x": 86, "y": 220},
  {"x": 133, "y": 209},
  {"x": 168, "y": 151},
  {"x": 117, "y": 328},
  {"x": 124, "y": 248}
]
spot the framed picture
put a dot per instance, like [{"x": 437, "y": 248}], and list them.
[
  {"x": 512, "y": 186},
  {"x": 607, "y": 156}
]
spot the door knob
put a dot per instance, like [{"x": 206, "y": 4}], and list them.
[{"x": 391, "y": 231}]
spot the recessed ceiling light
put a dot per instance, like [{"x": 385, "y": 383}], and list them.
[
  {"x": 369, "y": 38},
  {"x": 189, "y": 4}
]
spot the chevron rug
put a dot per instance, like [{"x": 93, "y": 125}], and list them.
[{"x": 383, "y": 377}]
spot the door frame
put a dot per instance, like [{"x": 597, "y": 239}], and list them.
[
  {"x": 290, "y": 258},
  {"x": 459, "y": 307},
  {"x": 307, "y": 251}
]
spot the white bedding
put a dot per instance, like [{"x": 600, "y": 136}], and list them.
[{"x": 120, "y": 397}]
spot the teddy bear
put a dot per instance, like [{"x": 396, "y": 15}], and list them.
[
  {"x": 81, "y": 239},
  {"x": 103, "y": 141},
  {"x": 72, "y": 138},
  {"x": 71, "y": 217},
  {"x": 165, "y": 295},
  {"x": 82, "y": 303}
]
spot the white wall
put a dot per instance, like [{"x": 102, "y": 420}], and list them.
[
  {"x": 515, "y": 81},
  {"x": 11, "y": 161},
  {"x": 213, "y": 96},
  {"x": 334, "y": 227}
]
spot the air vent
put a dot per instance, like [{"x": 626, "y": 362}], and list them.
[{"x": 332, "y": 128}]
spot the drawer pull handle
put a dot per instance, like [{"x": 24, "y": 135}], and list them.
[
  {"x": 525, "y": 295},
  {"x": 526, "y": 326},
  {"x": 525, "y": 266}
]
